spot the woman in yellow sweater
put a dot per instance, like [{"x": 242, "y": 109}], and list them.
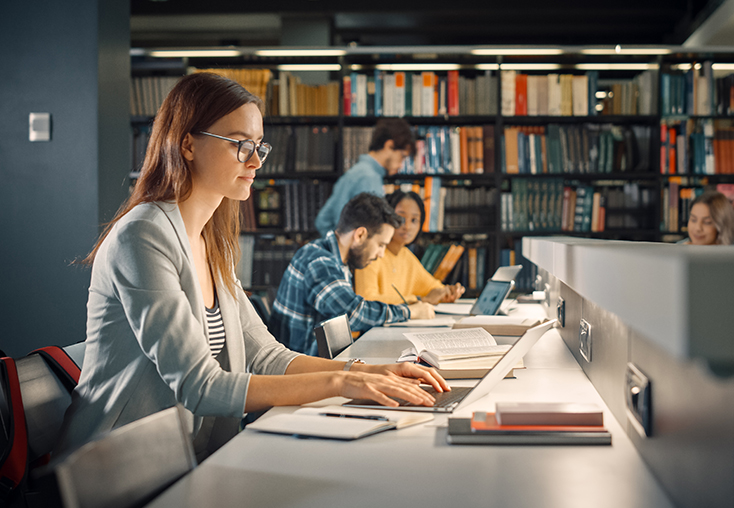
[{"x": 399, "y": 266}]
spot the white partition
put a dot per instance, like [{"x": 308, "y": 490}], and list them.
[{"x": 678, "y": 296}]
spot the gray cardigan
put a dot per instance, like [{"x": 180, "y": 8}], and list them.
[{"x": 147, "y": 339}]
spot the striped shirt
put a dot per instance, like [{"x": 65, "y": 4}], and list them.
[
  {"x": 317, "y": 285},
  {"x": 216, "y": 328}
]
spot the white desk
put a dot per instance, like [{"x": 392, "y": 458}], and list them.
[{"x": 414, "y": 467}]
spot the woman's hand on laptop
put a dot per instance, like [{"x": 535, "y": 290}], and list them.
[
  {"x": 425, "y": 375},
  {"x": 380, "y": 388}
]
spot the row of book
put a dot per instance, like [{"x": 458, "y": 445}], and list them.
[
  {"x": 263, "y": 260},
  {"x": 453, "y": 207},
  {"x": 289, "y": 96},
  {"x": 696, "y": 147},
  {"x": 465, "y": 149},
  {"x": 300, "y": 148},
  {"x": 549, "y": 204},
  {"x": 585, "y": 148},
  {"x": 148, "y": 92},
  {"x": 512, "y": 255},
  {"x": 575, "y": 95},
  {"x": 419, "y": 94},
  {"x": 677, "y": 198},
  {"x": 697, "y": 92},
  {"x": 290, "y": 205},
  {"x": 457, "y": 262}
]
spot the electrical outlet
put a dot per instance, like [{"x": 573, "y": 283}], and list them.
[
  {"x": 639, "y": 403},
  {"x": 561, "y": 312},
  {"x": 585, "y": 340},
  {"x": 547, "y": 301}
]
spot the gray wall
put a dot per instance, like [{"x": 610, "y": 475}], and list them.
[{"x": 70, "y": 59}]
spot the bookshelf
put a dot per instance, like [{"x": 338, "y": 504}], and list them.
[{"x": 512, "y": 141}]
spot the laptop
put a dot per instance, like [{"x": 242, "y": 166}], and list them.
[
  {"x": 506, "y": 273},
  {"x": 462, "y": 396},
  {"x": 488, "y": 303},
  {"x": 491, "y": 298}
]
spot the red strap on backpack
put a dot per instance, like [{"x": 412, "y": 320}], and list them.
[
  {"x": 62, "y": 362},
  {"x": 13, "y": 466}
]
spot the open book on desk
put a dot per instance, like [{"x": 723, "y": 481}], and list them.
[
  {"x": 337, "y": 422},
  {"x": 419, "y": 323},
  {"x": 469, "y": 348}
]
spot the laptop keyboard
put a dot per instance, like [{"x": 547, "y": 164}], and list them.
[{"x": 443, "y": 399}]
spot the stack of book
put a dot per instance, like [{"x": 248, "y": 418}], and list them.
[{"x": 532, "y": 424}]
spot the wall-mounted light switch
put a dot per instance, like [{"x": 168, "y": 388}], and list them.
[
  {"x": 39, "y": 127},
  {"x": 585, "y": 340},
  {"x": 561, "y": 312},
  {"x": 639, "y": 404}
]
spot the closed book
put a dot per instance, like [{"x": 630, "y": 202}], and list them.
[
  {"x": 521, "y": 95},
  {"x": 498, "y": 325},
  {"x": 453, "y": 99},
  {"x": 399, "y": 102},
  {"x": 548, "y": 413},
  {"x": 508, "y": 92},
  {"x": 427, "y": 100},
  {"x": 453, "y": 373},
  {"x": 460, "y": 432}
]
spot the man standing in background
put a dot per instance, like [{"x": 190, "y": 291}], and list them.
[{"x": 392, "y": 141}]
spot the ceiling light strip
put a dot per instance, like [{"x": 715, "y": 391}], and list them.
[
  {"x": 309, "y": 67},
  {"x": 194, "y": 53},
  {"x": 300, "y": 52},
  {"x": 497, "y": 51}
]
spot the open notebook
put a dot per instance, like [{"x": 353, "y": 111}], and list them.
[{"x": 336, "y": 422}]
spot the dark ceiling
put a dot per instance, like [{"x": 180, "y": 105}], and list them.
[{"x": 398, "y": 22}]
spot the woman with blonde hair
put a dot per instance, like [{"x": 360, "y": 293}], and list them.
[
  {"x": 711, "y": 220},
  {"x": 167, "y": 321}
]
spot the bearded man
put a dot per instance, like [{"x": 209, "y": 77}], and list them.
[{"x": 317, "y": 285}]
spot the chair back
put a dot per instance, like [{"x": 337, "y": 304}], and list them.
[
  {"x": 333, "y": 336},
  {"x": 129, "y": 466},
  {"x": 261, "y": 306},
  {"x": 35, "y": 392}
]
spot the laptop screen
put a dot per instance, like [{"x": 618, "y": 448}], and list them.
[{"x": 493, "y": 294}]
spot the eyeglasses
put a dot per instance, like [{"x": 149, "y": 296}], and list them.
[{"x": 246, "y": 148}]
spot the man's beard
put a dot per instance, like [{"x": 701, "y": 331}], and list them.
[{"x": 357, "y": 258}]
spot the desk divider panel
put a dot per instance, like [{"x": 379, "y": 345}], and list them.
[{"x": 691, "y": 448}]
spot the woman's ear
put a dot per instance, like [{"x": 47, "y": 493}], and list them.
[{"x": 187, "y": 147}]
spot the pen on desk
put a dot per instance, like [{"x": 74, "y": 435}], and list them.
[
  {"x": 361, "y": 417},
  {"x": 400, "y": 294}
]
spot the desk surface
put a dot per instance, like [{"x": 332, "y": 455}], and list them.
[{"x": 414, "y": 467}]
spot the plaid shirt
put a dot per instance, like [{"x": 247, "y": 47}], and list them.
[{"x": 317, "y": 286}]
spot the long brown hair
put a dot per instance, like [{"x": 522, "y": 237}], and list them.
[{"x": 193, "y": 105}]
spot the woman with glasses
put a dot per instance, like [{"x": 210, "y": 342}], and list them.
[{"x": 167, "y": 320}]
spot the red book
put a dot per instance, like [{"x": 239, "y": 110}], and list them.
[
  {"x": 521, "y": 94},
  {"x": 453, "y": 99},
  {"x": 672, "y": 160},
  {"x": 663, "y": 149},
  {"x": 482, "y": 422},
  {"x": 347, "y": 95}
]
